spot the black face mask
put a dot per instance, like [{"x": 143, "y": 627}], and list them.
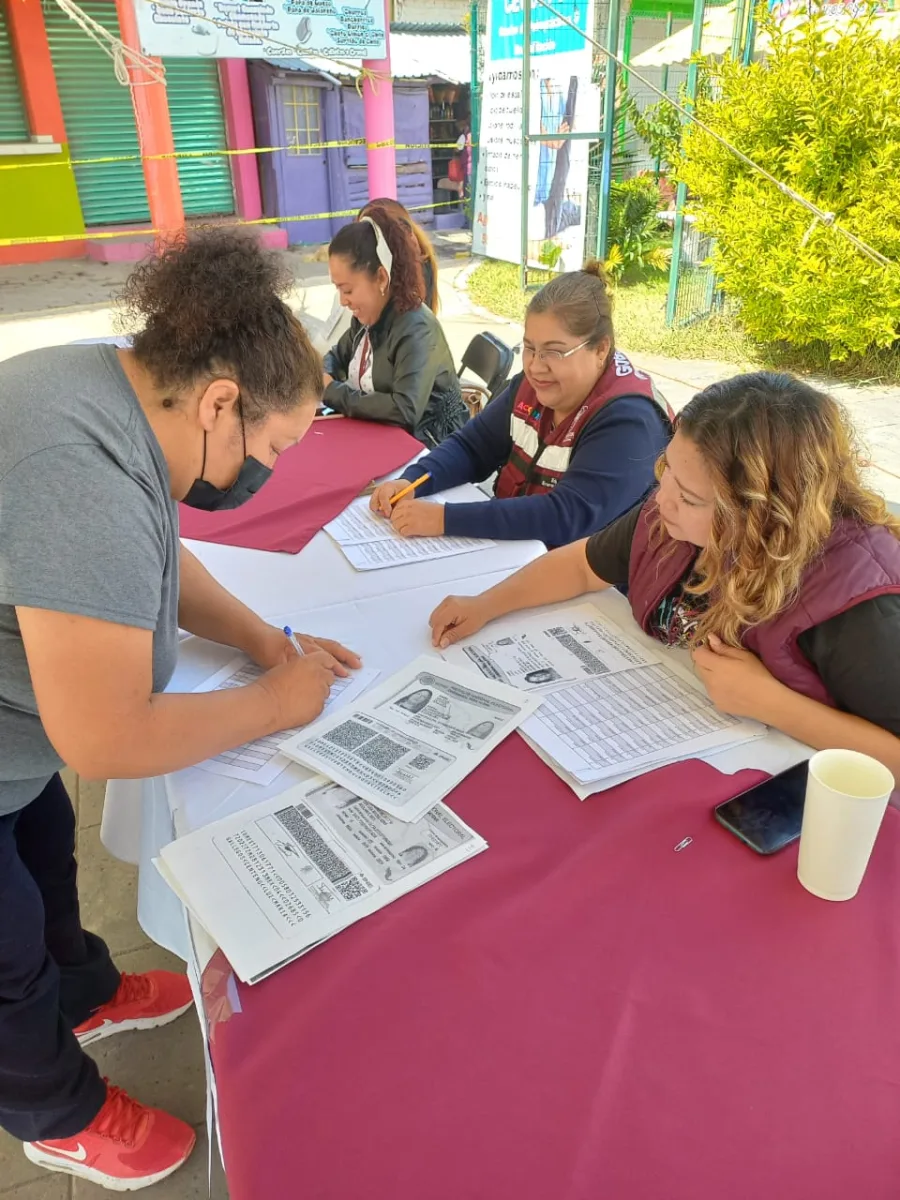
[{"x": 252, "y": 475}]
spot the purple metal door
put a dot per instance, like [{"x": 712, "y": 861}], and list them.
[{"x": 304, "y": 174}]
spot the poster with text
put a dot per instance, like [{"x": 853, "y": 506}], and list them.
[
  {"x": 261, "y": 29},
  {"x": 563, "y": 100}
]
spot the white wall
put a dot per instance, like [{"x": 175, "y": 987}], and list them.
[{"x": 431, "y": 12}]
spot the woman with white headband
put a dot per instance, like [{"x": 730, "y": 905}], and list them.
[{"x": 393, "y": 364}]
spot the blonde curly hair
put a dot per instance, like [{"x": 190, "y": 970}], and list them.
[{"x": 785, "y": 464}]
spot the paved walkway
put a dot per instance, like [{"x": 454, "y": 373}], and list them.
[{"x": 165, "y": 1067}]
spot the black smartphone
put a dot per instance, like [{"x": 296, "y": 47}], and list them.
[{"x": 768, "y": 817}]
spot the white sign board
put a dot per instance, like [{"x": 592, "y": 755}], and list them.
[
  {"x": 261, "y": 28},
  {"x": 563, "y": 99}
]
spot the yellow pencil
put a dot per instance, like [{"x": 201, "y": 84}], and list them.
[{"x": 410, "y": 487}]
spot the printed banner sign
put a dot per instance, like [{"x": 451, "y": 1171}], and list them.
[
  {"x": 261, "y": 28},
  {"x": 563, "y": 99}
]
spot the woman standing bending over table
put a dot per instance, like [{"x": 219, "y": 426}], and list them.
[
  {"x": 763, "y": 551},
  {"x": 393, "y": 364},
  {"x": 97, "y": 446},
  {"x": 574, "y": 438}
]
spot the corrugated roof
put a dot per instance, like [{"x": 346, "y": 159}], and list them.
[
  {"x": 423, "y": 27},
  {"x": 445, "y": 56}
]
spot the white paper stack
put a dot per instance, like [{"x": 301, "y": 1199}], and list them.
[
  {"x": 611, "y": 708},
  {"x": 276, "y": 880},
  {"x": 369, "y": 541}
]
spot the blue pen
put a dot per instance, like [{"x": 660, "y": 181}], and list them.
[{"x": 289, "y": 634}]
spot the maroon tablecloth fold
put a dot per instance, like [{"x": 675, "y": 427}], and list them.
[
  {"x": 311, "y": 484},
  {"x": 582, "y": 1012}
]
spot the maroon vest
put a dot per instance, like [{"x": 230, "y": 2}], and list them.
[
  {"x": 857, "y": 562},
  {"x": 541, "y": 452}
]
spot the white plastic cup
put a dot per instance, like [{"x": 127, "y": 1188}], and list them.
[{"x": 846, "y": 795}]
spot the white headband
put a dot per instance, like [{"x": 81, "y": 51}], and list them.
[{"x": 382, "y": 249}]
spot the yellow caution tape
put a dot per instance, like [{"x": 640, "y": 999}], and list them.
[
  {"x": 116, "y": 158},
  {"x": 88, "y": 236}
]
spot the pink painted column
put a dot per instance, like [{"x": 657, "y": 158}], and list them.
[
  {"x": 235, "y": 83},
  {"x": 378, "y": 109}
]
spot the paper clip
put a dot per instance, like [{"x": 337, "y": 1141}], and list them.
[{"x": 683, "y": 844}]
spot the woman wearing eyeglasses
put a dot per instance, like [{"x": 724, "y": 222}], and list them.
[{"x": 574, "y": 438}]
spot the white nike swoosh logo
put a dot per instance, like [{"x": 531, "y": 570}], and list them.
[{"x": 79, "y": 1155}]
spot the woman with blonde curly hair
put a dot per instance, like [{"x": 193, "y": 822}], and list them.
[{"x": 763, "y": 551}]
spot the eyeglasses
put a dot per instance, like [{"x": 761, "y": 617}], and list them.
[{"x": 552, "y": 356}]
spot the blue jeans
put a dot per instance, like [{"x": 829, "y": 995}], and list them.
[{"x": 53, "y": 975}]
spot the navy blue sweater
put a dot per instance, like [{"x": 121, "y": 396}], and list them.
[{"x": 611, "y": 468}]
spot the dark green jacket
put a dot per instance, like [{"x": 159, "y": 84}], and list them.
[{"x": 415, "y": 382}]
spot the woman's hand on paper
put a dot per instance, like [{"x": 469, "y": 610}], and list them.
[
  {"x": 418, "y": 518},
  {"x": 735, "y": 680},
  {"x": 381, "y": 497},
  {"x": 272, "y": 649},
  {"x": 456, "y": 618},
  {"x": 300, "y": 686}
]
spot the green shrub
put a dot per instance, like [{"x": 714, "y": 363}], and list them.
[
  {"x": 634, "y": 226},
  {"x": 824, "y": 119}
]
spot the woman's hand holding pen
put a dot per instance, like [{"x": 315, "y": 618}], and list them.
[
  {"x": 383, "y": 494},
  {"x": 299, "y": 684},
  {"x": 272, "y": 648}
]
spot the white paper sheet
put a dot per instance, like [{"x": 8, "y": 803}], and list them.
[
  {"x": 274, "y": 881},
  {"x": 545, "y": 651},
  {"x": 614, "y": 706},
  {"x": 615, "y": 724},
  {"x": 262, "y": 761},
  {"x": 410, "y": 741},
  {"x": 369, "y": 541}
]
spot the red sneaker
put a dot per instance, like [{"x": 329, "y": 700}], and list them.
[
  {"x": 140, "y": 1002},
  {"x": 127, "y": 1146}
]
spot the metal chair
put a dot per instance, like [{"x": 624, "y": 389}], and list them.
[{"x": 490, "y": 360}]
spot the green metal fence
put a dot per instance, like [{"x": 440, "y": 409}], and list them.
[{"x": 695, "y": 291}]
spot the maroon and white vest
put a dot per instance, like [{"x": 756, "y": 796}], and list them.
[
  {"x": 541, "y": 452},
  {"x": 857, "y": 563}
]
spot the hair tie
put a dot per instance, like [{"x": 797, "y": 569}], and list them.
[{"x": 382, "y": 249}]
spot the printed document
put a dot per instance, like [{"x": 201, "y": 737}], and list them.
[
  {"x": 612, "y": 707},
  {"x": 411, "y": 740},
  {"x": 369, "y": 541},
  {"x": 262, "y": 761},
  {"x": 546, "y": 651},
  {"x": 272, "y": 882}
]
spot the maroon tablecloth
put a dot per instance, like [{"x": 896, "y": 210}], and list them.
[
  {"x": 581, "y": 1013},
  {"x": 311, "y": 484}
]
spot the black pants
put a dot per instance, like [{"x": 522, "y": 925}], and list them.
[{"x": 53, "y": 975}]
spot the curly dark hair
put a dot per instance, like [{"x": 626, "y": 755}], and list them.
[
  {"x": 208, "y": 305},
  {"x": 356, "y": 243}
]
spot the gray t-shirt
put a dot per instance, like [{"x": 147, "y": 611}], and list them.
[{"x": 87, "y": 526}]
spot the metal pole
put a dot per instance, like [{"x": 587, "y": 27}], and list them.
[
  {"x": 526, "y": 145},
  {"x": 737, "y": 35},
  {"x": 750, "y": 43},
  {"x": 609, "y": 123},
  {"x": 474, "y": 108},
  {"x": 626, "y": 59},
  {"x": 681, "y": 191},
  {"x": 664, "y": 84}
]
